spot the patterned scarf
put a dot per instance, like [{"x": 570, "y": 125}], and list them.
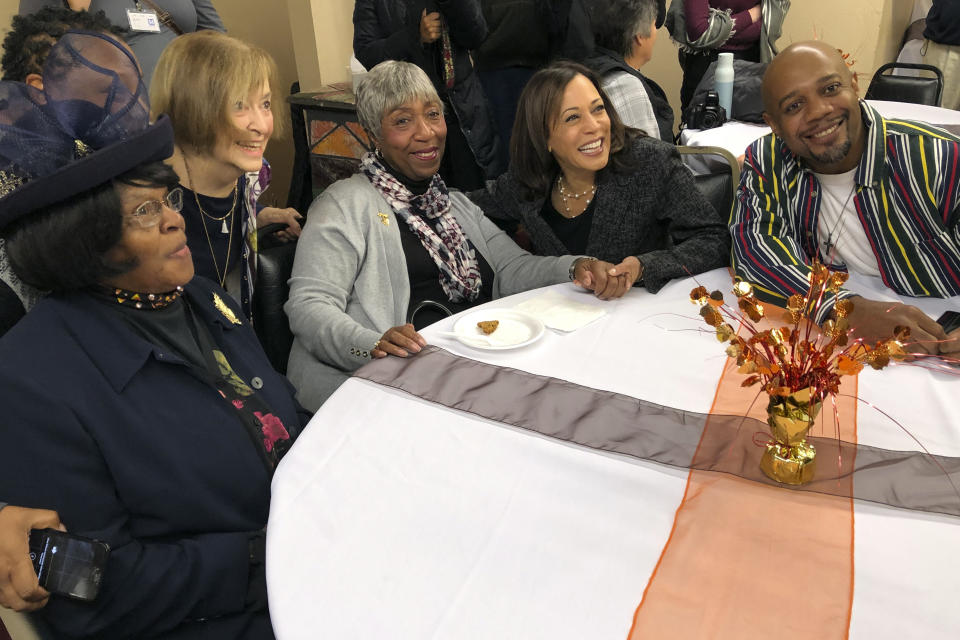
[{"x": 455, "y": 258}]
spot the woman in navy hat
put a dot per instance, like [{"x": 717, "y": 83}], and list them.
[{"x": 137, "y": 401}]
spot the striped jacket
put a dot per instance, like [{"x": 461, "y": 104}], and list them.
[{"x": 908, "y": 185}]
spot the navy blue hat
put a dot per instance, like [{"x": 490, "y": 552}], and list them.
[{"x": 89, "y": 124}]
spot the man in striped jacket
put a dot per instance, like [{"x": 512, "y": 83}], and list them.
[{"x": 838, "y": 183}]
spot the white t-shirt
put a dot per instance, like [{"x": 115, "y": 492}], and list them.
[{"x": 842, "y": 237}]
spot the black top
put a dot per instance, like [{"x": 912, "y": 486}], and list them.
[
  {"x": 572, "y": 232},
  {"x": 425, "y": 281},
  {"x": 197, "y": 240},
  {"x": 422, "y": 270},
  {"x": 170, "y": 328},
  {"x": 943, "y": 22}
]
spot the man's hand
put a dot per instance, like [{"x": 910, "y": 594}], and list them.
[
  {"x": 951, "y": 348},
  {"x": 875, "y": 320},
  {"x": 19, "y": 588},
  {"x": 429, "y": 27},
  {"x": 399, "y": 341},
  {"x": 604, "y": 279},
  {"x": 288, "y": 216}
]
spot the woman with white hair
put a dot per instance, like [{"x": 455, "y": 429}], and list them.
[{"x": 383, "y": 244}]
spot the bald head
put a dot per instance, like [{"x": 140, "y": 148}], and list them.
[
  {"x": 810, "y": 101},
  {"x": 812, "y": 54}
]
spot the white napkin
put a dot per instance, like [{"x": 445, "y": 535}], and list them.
[{"x": 559, "y": 312}]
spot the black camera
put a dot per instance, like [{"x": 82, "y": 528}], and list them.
[{"x": 707, "y": 114}]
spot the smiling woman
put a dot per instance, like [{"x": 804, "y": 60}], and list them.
[
  {"x": 391, "y": 250},
  {"x": 219, "y": 93},
  {"x": 137, "y": 404},
  {"x": 581, "y": 182}
]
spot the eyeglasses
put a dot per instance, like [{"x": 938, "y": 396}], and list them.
[{"x": 148, "y": 214}]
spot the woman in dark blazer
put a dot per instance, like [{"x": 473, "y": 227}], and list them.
[{"x": 581, "y": 183}]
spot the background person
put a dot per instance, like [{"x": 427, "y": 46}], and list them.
[
  {"x": 220, "y": 94},
  {"x": 836, "y": 182},
  {"x": 624, "y": 32},
  {"x": 582, "y": 183},
  {"x": 378, "y": 244},
  {"x": 25, "y": 49},
  {"x": 942, "y": 48},
  {"x": 137, "y": 404},
  {"x": 182, "y": 16},
  {"x": 705, "y": 28},
  {"x": 518, "y": 43},
  {"x": 437, "y": 36}
]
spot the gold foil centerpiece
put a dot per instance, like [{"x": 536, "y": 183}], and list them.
[
  {"x": 798, "y": 365},
  {"x": 790, "y": 459}
]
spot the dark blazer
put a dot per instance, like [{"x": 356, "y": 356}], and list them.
[
  {"x": 131, "y": 448},
  {"x": 653, "y": 211},
  {"x": 390, "y": 30}
]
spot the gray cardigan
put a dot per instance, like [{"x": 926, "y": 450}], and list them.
[
  {"x": 350, "y": 284},
  {"x": 654, "y": 212}
]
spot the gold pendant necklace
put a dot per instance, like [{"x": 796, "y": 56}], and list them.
[{"x": 222, "y": 279}]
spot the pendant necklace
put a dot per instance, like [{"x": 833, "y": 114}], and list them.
[
  {"x": 830, "y": 243},
  {"x": 222, "y": 279}
]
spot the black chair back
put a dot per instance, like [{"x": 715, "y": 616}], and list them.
[
  {"x": 719, "y": 186},
  {"x": 270, "y": 294},
  {"x": 914, "y": 89}
]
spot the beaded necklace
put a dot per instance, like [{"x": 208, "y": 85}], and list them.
[{"x": 140, "y": 300}]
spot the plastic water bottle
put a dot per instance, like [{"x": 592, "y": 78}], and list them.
[{"x": 723, "y": 82}]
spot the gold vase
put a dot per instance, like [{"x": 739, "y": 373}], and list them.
[{"x": 790, "y": 459}]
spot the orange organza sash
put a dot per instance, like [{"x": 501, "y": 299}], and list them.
[{"x": 746, "y": 560}]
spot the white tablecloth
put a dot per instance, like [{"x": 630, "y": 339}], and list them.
[
  {"x": 396, "y": 518},
  {"x": 735, "y": 136}
]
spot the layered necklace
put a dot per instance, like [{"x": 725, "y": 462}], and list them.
[
  {"x": 566, "y": 195},
  {"x": 221, "y": 278}
]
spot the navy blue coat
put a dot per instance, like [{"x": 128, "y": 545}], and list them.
[{"x": 131, "y": 448}]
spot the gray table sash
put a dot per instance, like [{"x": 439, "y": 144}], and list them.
[{"x": 622, "y": 424}]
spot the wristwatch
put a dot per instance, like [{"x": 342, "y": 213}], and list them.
[{"x": 572, "y": 274}]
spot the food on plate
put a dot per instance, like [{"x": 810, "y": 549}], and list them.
[{"x": 488, "y": 326}]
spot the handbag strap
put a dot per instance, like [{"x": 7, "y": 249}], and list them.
[{"x": 164, "y": 16}]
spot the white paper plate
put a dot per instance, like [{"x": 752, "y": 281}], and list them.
[{"x": 516, "y": 329}]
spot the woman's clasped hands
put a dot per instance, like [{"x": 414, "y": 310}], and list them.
[{"x": 607, "y": 281}]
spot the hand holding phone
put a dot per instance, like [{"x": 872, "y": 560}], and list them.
[
  {"x": 68, "y": 565},
  {"x": 19, "y": 588}
]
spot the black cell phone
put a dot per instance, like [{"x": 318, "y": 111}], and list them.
[
  {"x": 68, "y": 565},
  {"x": 950, "y": 320}
]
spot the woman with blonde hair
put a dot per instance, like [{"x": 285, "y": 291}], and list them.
[{"x": 218, "y": 92}]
